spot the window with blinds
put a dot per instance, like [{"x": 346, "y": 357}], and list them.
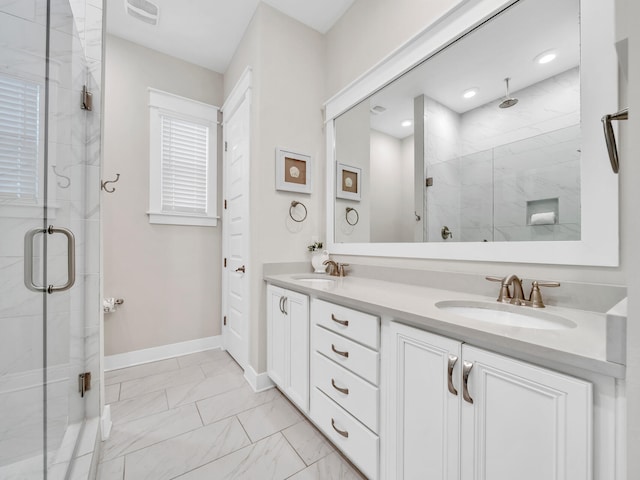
[
  {"x": 182, "y": 160},
  {"x": 19, "y": 138}
]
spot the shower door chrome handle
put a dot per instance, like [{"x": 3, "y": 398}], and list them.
[
  {"x": 71, "y": 259},
  {"x": 28, "y": 259}
]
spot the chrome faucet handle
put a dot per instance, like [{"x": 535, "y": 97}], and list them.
[
  {"x": 536, "y": 295},
  {"x": 505, "y": 295},
  {"x": 341, "y": 272}
]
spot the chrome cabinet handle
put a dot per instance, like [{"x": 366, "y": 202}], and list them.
[
  {"x": 344, "y": 354},
  {"x": 284, "y": 305},
  {"x": 341, "y": 390},
  {"x": 344, "y": 433},
  {"x": 466, "y": 369},
  {"x": 341, "y": 322},
  {"x": 28, "y": 259},
  {"x": 450, "y": 364},
  {"x": 280, "y": 305}
]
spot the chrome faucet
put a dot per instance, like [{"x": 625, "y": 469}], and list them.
[
  {"x": 535, "y": 297},
  {"x": 518, "y": 294},
  {"x": 336, "y": 269}
]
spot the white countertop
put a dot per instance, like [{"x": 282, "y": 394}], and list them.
[{"x": 583, "y": 347}]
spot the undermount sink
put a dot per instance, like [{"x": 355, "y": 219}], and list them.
[
  {"x": 506, "y": 314},
  {"x": 317, "y": 281}
]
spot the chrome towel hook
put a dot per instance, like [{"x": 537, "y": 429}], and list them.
[
  {"x": 294, "y": 204},
  {"x": 103, "y": 184},
  {"x": 610, "y": 137}
]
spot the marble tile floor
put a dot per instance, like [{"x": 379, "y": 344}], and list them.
[{"x": 195, "y": 417}]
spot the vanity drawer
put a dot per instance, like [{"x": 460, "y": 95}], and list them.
[
  {"x": 361, "y": 327},
  {"x": 355, "y": 441},
  {"x": 360, "y": 360},
  {"x": 358, "y": 397}
]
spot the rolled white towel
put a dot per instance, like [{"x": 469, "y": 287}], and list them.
[{"x": 544, "y": 218}]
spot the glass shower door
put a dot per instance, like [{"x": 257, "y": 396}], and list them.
[{"x": 49, "y": 234}]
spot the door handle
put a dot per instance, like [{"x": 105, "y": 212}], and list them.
[
  {"x": 466, "y": 369},
  {"x": 28, "y": 259},
  {"x": 450, "y": 364},
  {"x": 240, "y": 269}
]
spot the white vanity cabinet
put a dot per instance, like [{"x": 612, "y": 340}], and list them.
[
  {"x": 345, "y": 393},
  {"x": 288, "y": 343},
  {"x": 459, "y": 412}
]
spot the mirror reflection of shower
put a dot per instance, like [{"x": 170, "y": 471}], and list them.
[{"x": 508, "y": 101}]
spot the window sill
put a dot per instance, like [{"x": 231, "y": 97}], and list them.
[{"x": 164, "y": 218}]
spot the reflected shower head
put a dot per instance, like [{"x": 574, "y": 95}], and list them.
[{"x": 508, "y": 101}]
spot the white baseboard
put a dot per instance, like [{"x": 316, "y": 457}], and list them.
[
  {"x": 137, "y": 357},
  {"x": 258, "y": 381},
  {"x": 105, "y": 427}
]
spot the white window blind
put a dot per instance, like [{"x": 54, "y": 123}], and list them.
[
  {"x": 184, "y": 158},
  {"x": 19, "y": 138}
]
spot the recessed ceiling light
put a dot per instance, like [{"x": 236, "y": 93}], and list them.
[
  {"x": 377, "y": 109},
  {"x": 407, "y": 123},
  {"x": 546, "y": 57},
  {"x": 470, "y": 93}
]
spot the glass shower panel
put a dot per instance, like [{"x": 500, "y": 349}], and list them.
[
  {"x": 49, "y": 177},
  {"x": 22, "y": 208}
]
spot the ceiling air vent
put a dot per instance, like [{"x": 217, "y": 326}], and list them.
[
  {"x": 143, "y": 10},
  {"x": 377, "y": 109}
]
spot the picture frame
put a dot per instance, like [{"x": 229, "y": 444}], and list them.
[
  {"x": 349, "y": 182},
  {"x": 293, "y": 171}
]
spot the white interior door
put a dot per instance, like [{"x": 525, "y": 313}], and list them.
[{"x": 236, "y": 274}]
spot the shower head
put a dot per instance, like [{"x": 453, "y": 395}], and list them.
[{"x": 508, "y": 101}]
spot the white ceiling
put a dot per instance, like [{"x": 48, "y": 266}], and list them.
[
  {"x": 207, "y": 32},
  {"x": 504, "y": 47}
]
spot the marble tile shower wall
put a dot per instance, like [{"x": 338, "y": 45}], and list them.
[
  {"x": 488, "y": 163},
  {"x": 73, "y": 184}
]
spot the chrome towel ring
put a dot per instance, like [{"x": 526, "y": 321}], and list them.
[
  {"x": 294, "y": 204},
  {"x": 346, "y": 216}
]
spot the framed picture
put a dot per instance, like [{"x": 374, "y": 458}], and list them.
[
  {"x": 349, "y": 182},
  {"x": 293, "y": 171}
]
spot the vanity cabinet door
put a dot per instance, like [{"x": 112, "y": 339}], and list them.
[
  {"x": 423, "y": 412},
  {"x": 525, "y": 422},
  {"x": 288, "y": 343},
  {"x": 276, "y": 336}
]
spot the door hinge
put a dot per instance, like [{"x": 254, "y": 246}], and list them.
[
  {"x": 225, "y": 146},
  {"x": 225, "y": 204},
  {"x": 84, "y": 382},
  {"x": 87, "y": 99},
  {"x": 429, "y": 182},
  {"x": 225, "y": 319},
  {"x": 225, "y": 263}
]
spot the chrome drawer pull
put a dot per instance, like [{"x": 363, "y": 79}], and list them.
[
  {"x": 344, "y": 354},
  {"x": 341, "y": 322},
  {"x": 341, "y": 390},
  {"x": 466, "y": 369},
  {"x": 450, "y": 364},
  {"x": 344, "y": 433}
]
